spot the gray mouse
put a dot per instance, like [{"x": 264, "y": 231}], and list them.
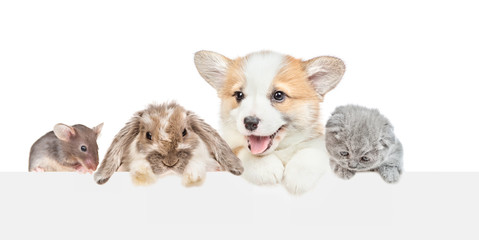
[{"x": 66, "y": 149}]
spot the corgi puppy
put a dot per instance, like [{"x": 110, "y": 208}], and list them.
[{"x": 270, "y": 113}]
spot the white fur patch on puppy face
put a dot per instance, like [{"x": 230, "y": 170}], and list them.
[{"x": 260, "y": 69}]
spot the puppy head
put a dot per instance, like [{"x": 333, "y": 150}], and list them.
[{"x": 267, "y": 96}]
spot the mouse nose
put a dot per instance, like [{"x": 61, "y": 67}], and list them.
[
  {"x": 170, "y": 162},
  {"x": 251, "y": 123}
]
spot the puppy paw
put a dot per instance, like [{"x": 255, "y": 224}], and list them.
[
  {"x": 265, "y": 170},
  {"x": 304, "y": 170},
  {"x": 389, "y": 174},
  {"x": 298, "y": 180},
  {"x": 143, "y": 177}
]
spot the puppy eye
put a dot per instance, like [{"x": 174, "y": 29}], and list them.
[
  {"x": 279, "y": 96},
  {"x": 184, "y": 132},
  {"x": 365, "y": 159},
  {"x": 344, "y": 154},
  {"x": 239, "y": 96},
  {"x": 148, "y": 135},
  {"x": 83, "y": 148}
]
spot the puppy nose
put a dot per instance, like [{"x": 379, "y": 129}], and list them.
[
  {"x": 170, "y": 162},
  {"x": 251, "y": 123}
]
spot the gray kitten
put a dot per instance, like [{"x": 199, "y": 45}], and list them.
[{"x": 359, "y": 139}]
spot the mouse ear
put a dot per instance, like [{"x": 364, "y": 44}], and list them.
[
  {"x": 216, "y": 145},
  {"x": 97, "y": 129},
  {"x": 64, "y": 132},
  {"x": 324, "y": 73}
]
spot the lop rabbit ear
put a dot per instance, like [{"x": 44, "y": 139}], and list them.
[
  {"x": 115, "y": 153},
  {"x": 216, "y": 145}
]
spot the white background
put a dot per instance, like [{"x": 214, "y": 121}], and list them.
[{"x": 100, "y": 61}]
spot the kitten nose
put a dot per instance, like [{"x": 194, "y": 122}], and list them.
[
  {"x": 352, "y": 164},
  {"x": 251, "y": 123}
]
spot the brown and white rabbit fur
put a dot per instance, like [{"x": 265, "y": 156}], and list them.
[{"x": 164, "y": 138}]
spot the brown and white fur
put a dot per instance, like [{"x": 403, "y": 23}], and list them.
[
  {"x": 270, "y": 113},
  {"x": 167, "y": 138}
]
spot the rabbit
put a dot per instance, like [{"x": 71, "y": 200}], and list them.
[{"x": 167, "y": 138}]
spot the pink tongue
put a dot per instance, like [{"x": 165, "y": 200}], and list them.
[{"x": 258, "y": 144}]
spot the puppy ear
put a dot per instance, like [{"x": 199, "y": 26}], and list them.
[
  {"x": 116, "y": 151},
  {"x": 64, "y": 132},
  {"x": 97, "y": 129},
  {"x": 324, "y": 73},
  {"x": 213, "y": 67},
  {"x": 216, "y": 145}
]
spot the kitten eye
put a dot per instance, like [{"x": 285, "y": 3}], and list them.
[
  {"x": 279, "y": 96},
  {"x": 148, "y": 135},
  {"x": 344, "y": 154},
  {"x": 83, "y": 148},
  {"x": 365, "y": 159},
  {"x": 184, "y": 132},
  {"x": 239, "y": 96}
]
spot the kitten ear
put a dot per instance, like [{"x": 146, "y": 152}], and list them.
[
  {"x": 324, "y": 73},
  {"x": 64, "y": 132},
  {"x": 335, "y": 123},
  {"x": 387, "y": 136},
  {"x": 213, "y": 67}
]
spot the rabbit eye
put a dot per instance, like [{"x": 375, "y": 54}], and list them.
[
  {"x": 344, "y": 153},
  {"x": 184, "y": 132},
  {"x": 148, "y": 135},
  {"x": 365, "y": 159}
]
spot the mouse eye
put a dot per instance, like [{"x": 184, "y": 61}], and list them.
[
  {"x": 83, "y": 148},
  {"x": 365, "y": 159},
  {"x": 239, "y": 96},
  {"x": 344, "y": 153},
  {"x": 148, "y": 135},
  {"x": 184, "y": 132}
]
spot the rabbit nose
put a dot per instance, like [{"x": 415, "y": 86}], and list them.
[
  {"x": 251, "y": 123},
  {"x": 170, "y": 162}
]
